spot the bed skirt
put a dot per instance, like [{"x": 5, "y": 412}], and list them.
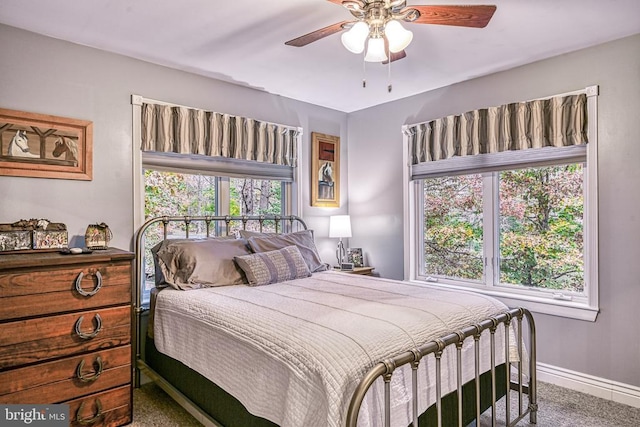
[{"x": 229, "y": 412}]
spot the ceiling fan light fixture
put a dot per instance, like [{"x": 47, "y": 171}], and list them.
[
  {"x": 354, "y": 39},
  {"x": 398, "y": 37},
  {"x": 375, "y": 50}
]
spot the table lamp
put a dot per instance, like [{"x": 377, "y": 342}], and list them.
[{"x": 340, "y": 226}]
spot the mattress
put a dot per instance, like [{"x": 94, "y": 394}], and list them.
[{"x": 293, "y": 352}]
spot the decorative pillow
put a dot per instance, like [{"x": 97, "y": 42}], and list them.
[
  {"x": 302, "y": 239},
  {"x": 264, "y": 268},
  {"x": 194, "y": 264}
]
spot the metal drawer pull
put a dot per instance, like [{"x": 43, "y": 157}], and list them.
[
  {"x": 84, "y": 336},
  {"x": 87, "y": 421},
  {"x": 94, "y": 291},
  {"x": 86, "y": 379}
]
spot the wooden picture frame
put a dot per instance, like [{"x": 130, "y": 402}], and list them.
[
  {"x": 325, "y": 170},
  {"x": 45, "y": 146}
]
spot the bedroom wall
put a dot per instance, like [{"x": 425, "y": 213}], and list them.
[
  {"x": 608, "y": 348},
  {"x": 45, "y": 75}
]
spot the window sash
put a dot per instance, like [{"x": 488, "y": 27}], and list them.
[{"x": 491, "y": 243}]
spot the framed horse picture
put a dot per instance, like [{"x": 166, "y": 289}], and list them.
[
  {"x": 325, "y": 170},
  {"x": 45, "y": 146}
]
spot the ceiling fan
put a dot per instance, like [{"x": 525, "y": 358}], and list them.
[{"x": 377, "y": 25}]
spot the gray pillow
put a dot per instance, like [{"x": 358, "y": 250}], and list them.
[
  {"x": 250, "y": 233},
  {"x": 264, "y": 268},
  {"x": 158, "y": 275},
  {"x": 195, "y": 264},
  {"x": 302, "y": 239}
]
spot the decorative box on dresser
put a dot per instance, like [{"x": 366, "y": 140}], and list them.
[{"x": 65, "y": 333}]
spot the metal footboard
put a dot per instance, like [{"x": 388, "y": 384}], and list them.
[{"x": 386, "y": 368}]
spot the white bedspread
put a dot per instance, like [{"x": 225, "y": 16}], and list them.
[{"x": 293, "y": 352}]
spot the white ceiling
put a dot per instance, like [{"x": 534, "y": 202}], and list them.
[{"x": 242, "y": 41}]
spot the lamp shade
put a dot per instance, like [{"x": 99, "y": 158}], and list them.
[
  {"x": 398, "y": 37},
  {"x": 375, "y": 50},
  {"x": 355, "y": 38},
  {"x": 339, "y": 226}
]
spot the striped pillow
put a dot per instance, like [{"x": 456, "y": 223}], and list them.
[{"x": 264, "y": 268}]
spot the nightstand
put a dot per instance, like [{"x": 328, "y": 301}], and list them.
[{"x": 365, "y": 271}]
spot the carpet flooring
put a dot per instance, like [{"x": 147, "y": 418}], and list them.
[{"x": 558, "y": 407}]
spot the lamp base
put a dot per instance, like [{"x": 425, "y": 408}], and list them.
[{"x": 340, "y": 253}]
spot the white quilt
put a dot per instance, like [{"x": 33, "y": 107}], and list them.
[{"x": 294, "y": 352}]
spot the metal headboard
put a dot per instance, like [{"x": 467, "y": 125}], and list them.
[{"x": 214, "y": 226}]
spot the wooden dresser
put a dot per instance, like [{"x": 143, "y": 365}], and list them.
[{"x": 65, "y": 333}]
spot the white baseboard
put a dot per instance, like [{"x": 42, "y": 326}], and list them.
[{"x": 595, "y": 386}]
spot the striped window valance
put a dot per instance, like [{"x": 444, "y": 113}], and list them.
[
  {"x": 554, "y": 122},
  {"x": 190, "y": 131}
]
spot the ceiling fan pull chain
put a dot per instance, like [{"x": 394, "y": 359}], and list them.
[
  {"x": 364, "y": 72},
  {"x": 389, "y": 87}
]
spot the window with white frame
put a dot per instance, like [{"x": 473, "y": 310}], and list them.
[
  {"x": 534, "y": 215},
  {"x": 179, "y": 193},
  {"x": 518, "y": 223}
]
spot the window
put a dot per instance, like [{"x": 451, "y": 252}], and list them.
[
  {"x": 453, "y": 227},
  {"x": 538, "y": 224},
  {"x": 541, "y": 230},
  {"x": 177, "y": 193},
  {"x": 519, "y": 224}
]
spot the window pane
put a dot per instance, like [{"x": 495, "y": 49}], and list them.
[
  {"x": 255, "y": 197},
  {"x": 172, "y": 193},
  {"x": 541, "y": 227},
  {"x": 453, "y": 229},
  {"x": 175, "y": 194}
]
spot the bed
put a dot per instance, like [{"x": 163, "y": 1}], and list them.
[{"x": 247, "y": 327}]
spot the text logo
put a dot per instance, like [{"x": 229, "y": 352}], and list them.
[{"x": 34, "y": 415}]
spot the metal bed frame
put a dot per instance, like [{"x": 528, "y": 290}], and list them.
[{"x": 384, "y": 369}]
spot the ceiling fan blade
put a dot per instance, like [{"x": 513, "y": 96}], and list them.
[
  {"x": 317, "y": 35},
  {"x": 476, "y": 16},
  {"x": 396, "y": 56}
]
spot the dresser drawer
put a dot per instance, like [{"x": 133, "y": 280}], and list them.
[
  {"x": 35, "y": 340},
  {"x": 67, "y": 379},
  {"x": 41, "y": 291},
  {"x": 107, "y": 409}
]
